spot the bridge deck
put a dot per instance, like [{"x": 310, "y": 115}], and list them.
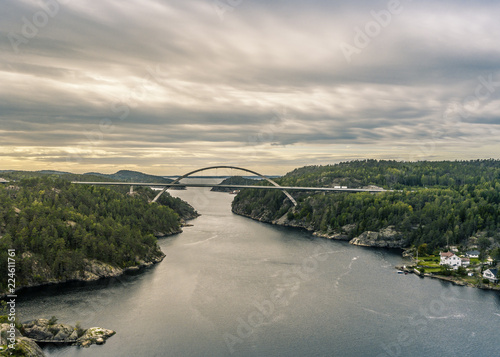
[{"x": 235, "y": 187}]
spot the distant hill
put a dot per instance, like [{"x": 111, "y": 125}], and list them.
[
  {"x": 234, "y": 180},
  {"x": 19, "y": 175},
  {"x": 132, "y": 176},
  {"x": 54, "y": 172}
]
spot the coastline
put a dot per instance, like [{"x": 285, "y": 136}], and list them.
[
  {"x": 366, "y": 243},
  {"x": 451, "y": 279},
  {"x": 100, "y": 271},
  {"x": 385, "y": 238}
]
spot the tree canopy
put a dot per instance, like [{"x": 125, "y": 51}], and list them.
[
  {"x": 436, "y": 203},
  {"x": 55, "y": 226}
]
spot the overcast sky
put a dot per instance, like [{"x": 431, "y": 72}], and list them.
[{"x": 168, "y": 86}]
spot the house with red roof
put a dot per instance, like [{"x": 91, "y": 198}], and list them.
[{"x": 451, "y": 259}]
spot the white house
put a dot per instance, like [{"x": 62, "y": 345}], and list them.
[
  {"x": 465, "y": 262},
  {"x": 472, "y": 254},
  {"x": 491, "y": 274},
  {"x": 451, "y": 259}
]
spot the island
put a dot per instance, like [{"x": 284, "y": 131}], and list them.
[{"x": 24, "y": 339}]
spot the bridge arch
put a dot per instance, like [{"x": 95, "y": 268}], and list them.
[{"x": 227, "y": 167}]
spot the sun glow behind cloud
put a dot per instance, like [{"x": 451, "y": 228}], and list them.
[{"x": 165, "y": 87}]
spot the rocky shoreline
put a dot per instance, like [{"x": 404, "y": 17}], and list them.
[
  {"x": 451, "y": 279},
  {"x": 24, "y": 338},
  {"x": 47, "y": 331},
  {"x": 385, "y": 238},
  {"x": 95, "y": 270}
]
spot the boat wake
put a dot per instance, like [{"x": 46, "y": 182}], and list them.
[{"x": 203, "y": 241}]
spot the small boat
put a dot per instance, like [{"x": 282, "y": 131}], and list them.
[{"x": 400, "y": 272}]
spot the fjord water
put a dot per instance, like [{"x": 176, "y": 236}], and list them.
[{"x": 232, "y": 286}]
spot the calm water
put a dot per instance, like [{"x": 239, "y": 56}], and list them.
[{"x": 232, "y": 286}]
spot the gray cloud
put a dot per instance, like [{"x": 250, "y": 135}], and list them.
[{"x": 125, "y": 83}]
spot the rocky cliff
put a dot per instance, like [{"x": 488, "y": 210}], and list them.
[
  {"x": 385, "y": 238},
  {"x": 22, "y": 346},
  {"x": 93, "y": 270}
]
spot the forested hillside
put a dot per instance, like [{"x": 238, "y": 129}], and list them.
[
  {"x": 132, "y": 176},
  {"x": 437, "y": 203},
  {"x": 234, "y": 180},
  {"x": 57, "y": 227},
  {"x": 396, "y": 175}
]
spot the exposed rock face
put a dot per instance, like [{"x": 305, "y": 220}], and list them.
[
  {"x": 93, "y": 270},
  {"x": 265, "y": 216},
  {"x": 23, "y": 345},
  {"x": 42, "y": 330},
  {"x": 29, "y": 347},
  {"x": 95, "y": 335},
  {"x": 385, "y": 238},
  {"x": 332, "y": 235},
  {"x": 284, "y": 221}
]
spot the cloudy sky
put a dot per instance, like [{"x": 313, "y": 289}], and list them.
[{"x": 168, "y": 86}]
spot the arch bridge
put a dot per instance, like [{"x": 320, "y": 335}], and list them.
[
  {"x": 227, "y": 167},
  {"x": 276, "y": 186}
]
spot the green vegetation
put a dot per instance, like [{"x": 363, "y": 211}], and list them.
[
  {"x": 437, "y": 203},
  {"x": 234, "y": 180},
  {"x": 131, "y": 176},
  {"x": 396, "y": 175},
  {"x": 56, "y": 226},
  {"x": 429, "y": 262}
]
